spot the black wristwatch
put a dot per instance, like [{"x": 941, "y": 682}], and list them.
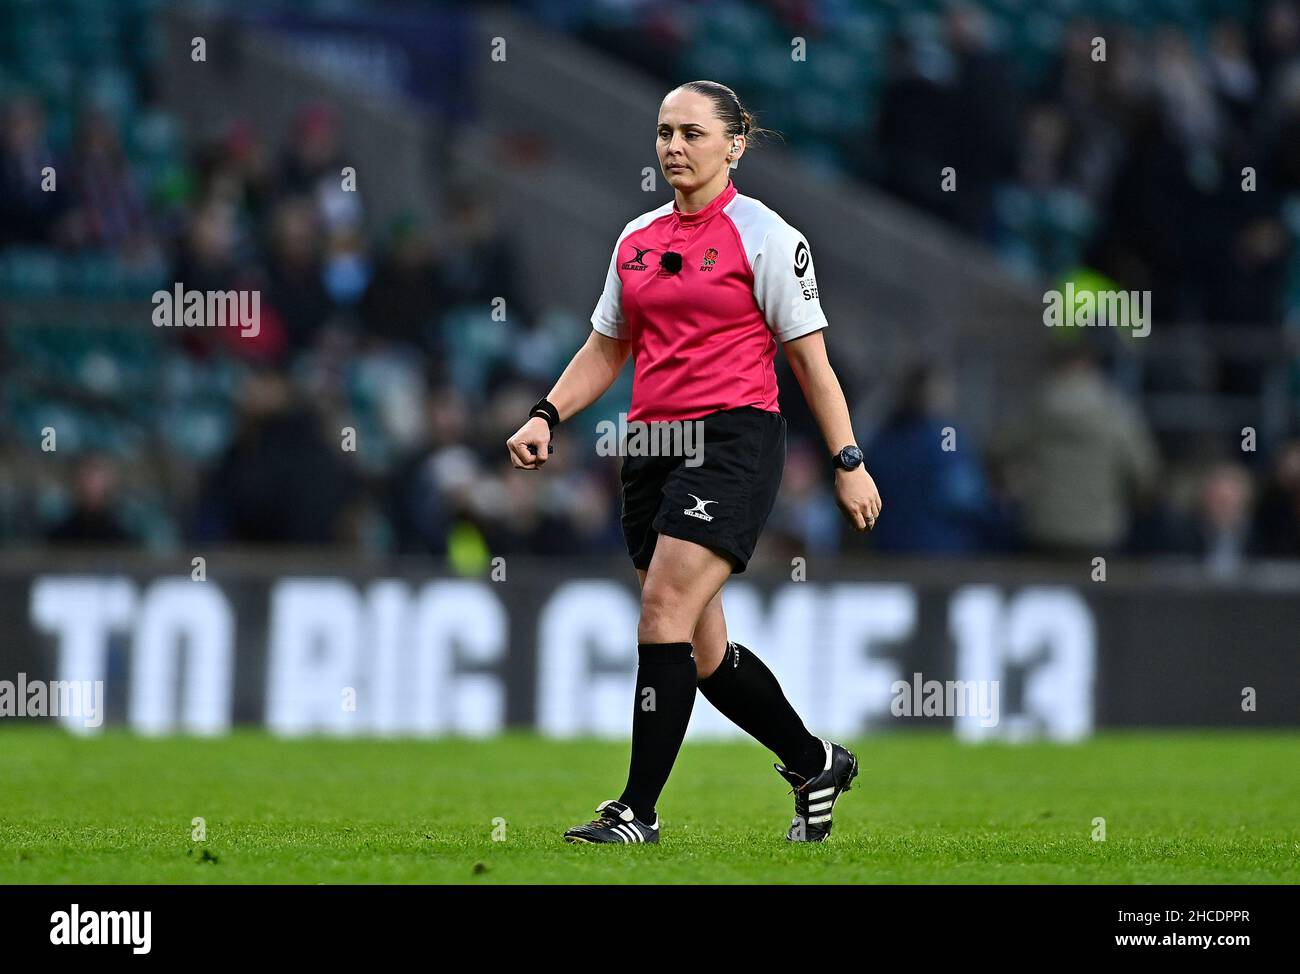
[{"x": 849, "y": 458}]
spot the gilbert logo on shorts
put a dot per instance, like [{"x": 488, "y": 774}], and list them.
[{"x": 698, "y": 510}]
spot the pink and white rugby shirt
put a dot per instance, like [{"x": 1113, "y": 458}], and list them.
[{"x": 704, "y": 339}]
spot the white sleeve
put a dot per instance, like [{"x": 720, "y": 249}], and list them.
[
  {"x": 785, "y": 286},
  {"x": 608, "y": 316}
]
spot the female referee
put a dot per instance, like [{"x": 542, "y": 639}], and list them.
[{"x": 699, "y": 292}]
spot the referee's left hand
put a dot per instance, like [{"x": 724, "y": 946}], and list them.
[{"x": 857, "y": 497}]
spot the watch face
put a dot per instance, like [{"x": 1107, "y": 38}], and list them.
[{"x": 850, "y": 457}]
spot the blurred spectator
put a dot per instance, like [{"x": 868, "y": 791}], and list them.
[
  {"x": 402, "y": 300},
  {"x": 1247, "y": 248},
  {"x": 805, "y": 519},
  {"x": 295, "y": 288},
  {"x": 110, "y": 211},
  {"x": 524, "y": 523},
  {"x": 206, "y": 258},
  {"x": 281, "y": 481},
  {"x": 1220, "y": 533},
  {"x": 1234, "y": 77},
  {"x": 480, "y": 263},
  {"x": 1276, "y": 40},
  {"x": 1277, "y": 523},
  {"x": 936, "y": 499},
  {"x": 421, "y": 503},
  {"x": 438, "y": 495},
  {"x": 591, "y": 506},
  {"x": 1079, "y": 459},
  {"x": 1183, "y": 86},
  {"x": 92, "y": 521},
  {"x": 910, "y": 134},
  {"x": 981, "y": 120},
  {"x": 1139, "y": 244},
  {"x": 235, "y": 169},
  {"x": 313, "y": 167},
  {"x": 28, "y": 214},
  {"x": 1058, "y": 168},
  {"x": 347, "y": 269}
]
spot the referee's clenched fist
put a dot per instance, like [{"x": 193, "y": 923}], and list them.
[{"x": 530, "y": 446}]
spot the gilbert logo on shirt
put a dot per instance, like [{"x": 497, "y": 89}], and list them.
[
  {"x": 710, "y": 258},
  {"x": 637, "y": 263}
]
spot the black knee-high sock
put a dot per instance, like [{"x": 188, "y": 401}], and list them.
[
  {"x": 745, "y": 691},
  {"x": 665, "y": 694}
]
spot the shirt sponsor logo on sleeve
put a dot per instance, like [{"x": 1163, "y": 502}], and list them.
[
  {"x": 801, "y": 259},
  {"x": 802, "y": 266}
]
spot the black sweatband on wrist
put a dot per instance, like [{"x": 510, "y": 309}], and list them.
[{"x": 545, "y": 410}]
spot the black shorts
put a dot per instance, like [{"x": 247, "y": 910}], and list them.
[{"x": 722, "y": 503}]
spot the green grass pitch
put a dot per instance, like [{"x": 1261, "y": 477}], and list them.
[{"x": 1179, "y": 807}]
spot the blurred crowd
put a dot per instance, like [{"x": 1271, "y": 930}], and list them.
[
  {"x": 372, "y": 408},
  {"x": 1162, "y": 160},
  {"x": 1076, "y": 473},
  {"x": 352, "y": 421}
]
